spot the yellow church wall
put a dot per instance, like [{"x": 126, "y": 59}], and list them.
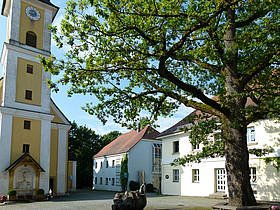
[
  {"x": 28, "y": 81},
  {"x": 70, "y": 173},
  {"x": 56, "y": 119},
  {"x": 22, "y": 136},
  {"x": 30, "y": 25},
  {"x": 54, "y": 156}
]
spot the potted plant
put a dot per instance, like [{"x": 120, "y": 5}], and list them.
[
  {"x": 40, "y": 194},
  {"x": 3, "y": 199},
  {"x": 12, "y": 194}
]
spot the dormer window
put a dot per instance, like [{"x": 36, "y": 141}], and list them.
[{"x": 31, "y": 39}]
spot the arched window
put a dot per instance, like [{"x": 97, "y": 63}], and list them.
[{"x": 31, "y": 38}]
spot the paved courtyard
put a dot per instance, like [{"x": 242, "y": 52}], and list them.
[{"x": 99, "y": 200}]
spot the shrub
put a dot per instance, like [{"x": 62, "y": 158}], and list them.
[
  {"x": 134, "y": 185},
  {"x": 150, "y": 188},
  {"x": 12, "y": 192},
  {"x": 40, "y": 192}
]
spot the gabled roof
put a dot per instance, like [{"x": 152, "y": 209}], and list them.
[
  {"x": 181, "y": 124},
  {"x": 22, "y": 158},
  {"x": 127, "y": 141},
  {"x": 178, "y": 127},
  {"x": 59, "y": 113}
]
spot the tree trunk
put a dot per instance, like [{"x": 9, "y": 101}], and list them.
[
  {"x": 237, "y": 167},
  {"x": 234, "y": 124}
]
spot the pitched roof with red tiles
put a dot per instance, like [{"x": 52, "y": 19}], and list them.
[{"x": 127, "y": 141}]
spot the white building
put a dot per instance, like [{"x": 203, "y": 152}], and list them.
[
  {"x": 144, "y": 160},
  {"x": 208, "y": 178}
]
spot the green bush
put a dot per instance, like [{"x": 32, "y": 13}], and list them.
[
  {"x": 150, "y": 188},
  {"x": 40, "y": 192},
  {"x": 134, "y": 185},
  {"x": 12, "y": 192}
]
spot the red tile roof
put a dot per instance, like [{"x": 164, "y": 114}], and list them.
[{"x": 127, "y": 141}]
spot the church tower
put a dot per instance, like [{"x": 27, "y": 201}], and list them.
[{"x": 33, "y": 131}]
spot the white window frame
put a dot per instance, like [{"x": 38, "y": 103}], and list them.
[
  {"x": 195, "y": 175},
  {"x": 176, "y": 175},
  {"x": 195, "y": 147},
  {"x": 156, "y": 157},
  {"x": 175, "y": 147},
  {"x": 253, "y": 175},
  {"x": 251, "y": 134}
]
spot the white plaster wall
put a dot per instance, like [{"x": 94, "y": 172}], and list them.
[
  {"x": 104, "y": 172},
  {"x": 267, "y": 132},
  {"x": 45, "y": 154},
  {"x": 47, "y": 33},
  {"x": 15, "y": 19},
  {"x": 5, "y": 149},
  {"x": 168, "y": 187},
  {"x": 61, "y": 162},
  {"x": 11, "y": 55},
  {"x": 74, "y": 173},
  {"x": 140, "y": 159}
]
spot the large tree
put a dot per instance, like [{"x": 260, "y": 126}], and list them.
[{"x": 153, "y": 56}]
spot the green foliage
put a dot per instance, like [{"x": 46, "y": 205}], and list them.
[
  {"x": 134, "y": 185},
  {"x": 12, "y": 192},
  {"x": 83, "y": 144},
  {"x": 275, "y": 161},
  {"x": 124, "y": 170},
  {"x": 40, "y": 192},
  {"x": 152, "y": 57}
]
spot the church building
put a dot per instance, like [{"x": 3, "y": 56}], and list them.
[{"x": 33, "y": 130}]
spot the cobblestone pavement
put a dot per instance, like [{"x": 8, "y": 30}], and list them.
[{"x": 101, "y": 200}]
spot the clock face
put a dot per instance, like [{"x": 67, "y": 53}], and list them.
[{"x": 32, "y": 13}]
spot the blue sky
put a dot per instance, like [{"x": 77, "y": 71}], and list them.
[{"x": 71, "y": 106}]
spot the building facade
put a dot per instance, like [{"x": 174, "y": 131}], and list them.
[
  {"x": 208, "y": 178},
  {"x": 33, "y": 131},
  {"x": 144, "y": 160}
]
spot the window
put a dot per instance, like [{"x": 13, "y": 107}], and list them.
[
  {"x": 100, "y": 180},
  {"x": 251, "y": 134},
  {"x": 175, "y": 146},
  {"x": 106, "y": 181},
  {"x": 113, "y": 163},
  {"x": 176, "y": 175},
  {"x": 28, "y": 94},
  {"x": 113, "y": 181},
  {"x": 195, "y": 146},
  {"x": 107, "y": 164},
  {"x": 156, "y": 155},
  {"x": 95, "y": 164},
  {"x": 26, "y": 148},
  {"x": 195, "y": 175},
  {"x": 31, "y": 39},
  {"x": 253, "y": 175},
  {"x": 27, "y": 124},
  {"x": 95, "y": 180},
  {"x": 29, "y": 69},
  {"x": 101, "y": 165}
]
